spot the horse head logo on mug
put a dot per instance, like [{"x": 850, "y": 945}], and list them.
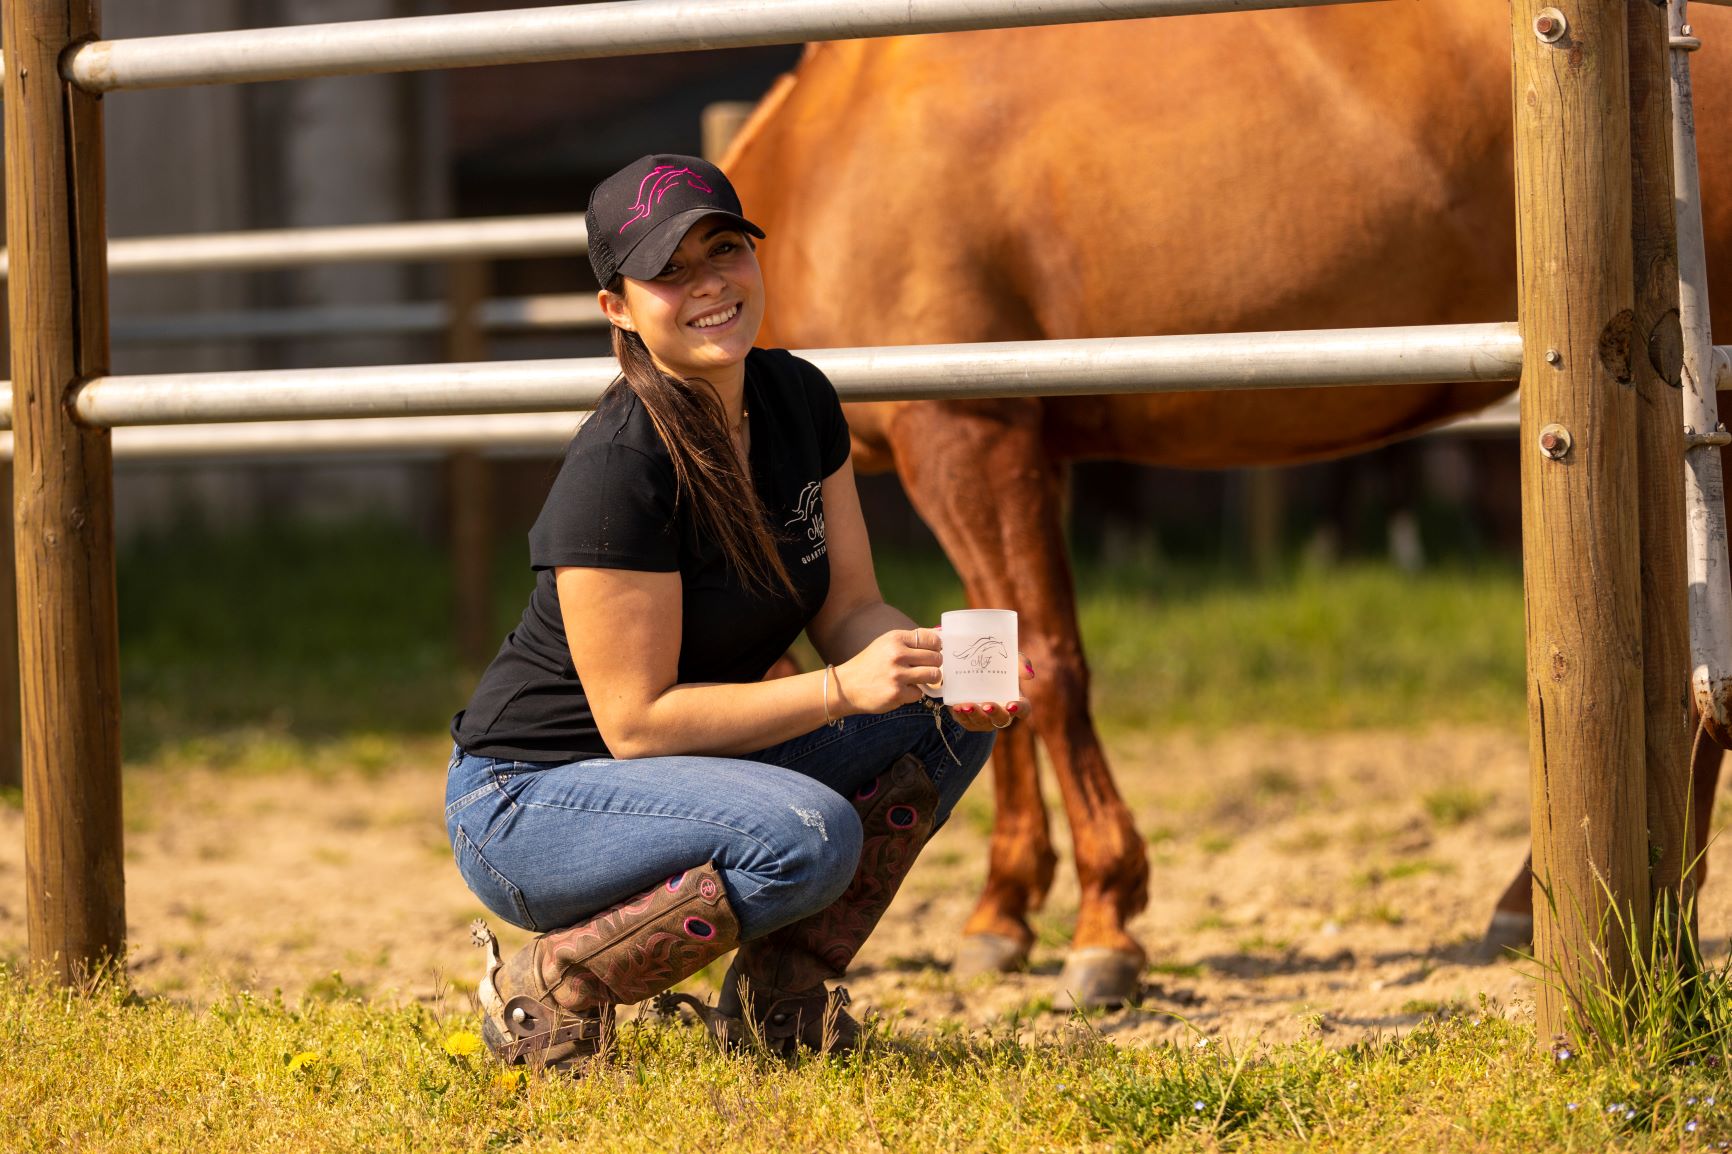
[{"x": 983, "y": 651}]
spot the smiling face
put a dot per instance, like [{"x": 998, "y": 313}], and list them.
[{"x": 700, "y": 316}]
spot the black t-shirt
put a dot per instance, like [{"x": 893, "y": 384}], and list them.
[{"x": 613, "y": 506}]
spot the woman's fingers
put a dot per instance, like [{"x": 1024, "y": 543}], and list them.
[
  {"x": 923, "y": 641},
  {"x": 984, "y": 715},
  {"x": 968, "y": 715}
]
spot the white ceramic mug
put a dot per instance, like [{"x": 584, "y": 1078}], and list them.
[{"x": 980, "y": 656}]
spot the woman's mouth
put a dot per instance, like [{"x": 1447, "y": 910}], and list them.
[{"x": 714, "y": 322}]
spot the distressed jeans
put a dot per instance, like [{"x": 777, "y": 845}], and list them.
[{"x": 546, "y": 844}]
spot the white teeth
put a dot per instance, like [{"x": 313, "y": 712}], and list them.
[{"x": 718, "y": 319}]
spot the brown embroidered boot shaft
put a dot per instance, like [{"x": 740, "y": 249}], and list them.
[
  {"x": 553, "y": 1001},
  {"x": 785, "y": 971}
]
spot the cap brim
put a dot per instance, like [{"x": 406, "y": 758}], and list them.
[{"x": 652, "y": 252}]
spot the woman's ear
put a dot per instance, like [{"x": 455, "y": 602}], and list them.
[{"x": 614, "y": 308}]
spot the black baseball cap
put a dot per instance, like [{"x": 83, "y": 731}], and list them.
[{"x": 638, "y": 216}]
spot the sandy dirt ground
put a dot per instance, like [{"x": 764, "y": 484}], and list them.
[{"x": 1328, "y": 885}]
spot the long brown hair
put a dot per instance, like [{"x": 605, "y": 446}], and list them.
[{"x": 708, "y": 472}]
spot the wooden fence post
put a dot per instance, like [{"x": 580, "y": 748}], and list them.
[
  {"x": 469, "y": 479},
  {"x": 11, "y": 747},
  {"x": 1264, "y": 503},
  {"x": 719, "y": 123},
  {"x": 1658, "y": 364},
  {"x": 11, "y": 728},
  {"x": 64, "y": 490},
  {"x": 1580, "y": 534}
]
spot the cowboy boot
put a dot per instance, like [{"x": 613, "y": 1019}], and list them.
[
  {"x": 776, "y": 985},
  {"x": 553, "y": 1003}
]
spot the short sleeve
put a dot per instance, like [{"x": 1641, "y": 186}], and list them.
[
  {"x": 827, "y": 418},
  {"x": 611, "y": 507}
]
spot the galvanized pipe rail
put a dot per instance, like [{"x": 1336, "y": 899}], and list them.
[
  {"x": 1488, "y": 352},
  {"x": 547, "y": 234},
  {"x": 1169, "y": 364},
  {"x": 502, "y": 314},
  {"x": 498, "y": 435},
  {"x": 572, "y": 32}
]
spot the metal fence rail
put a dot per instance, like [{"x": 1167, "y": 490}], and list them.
[
  {"x": 500, "y": 435},
  {"x": 1478, "y": 352},
  {"x": 569, "y": 32},
  {"x": 502, "y": 314},
  {"x": 550, "y": 234},
  {"x": 572, "y": 32},
  {"x": 1168, "y": 364}
]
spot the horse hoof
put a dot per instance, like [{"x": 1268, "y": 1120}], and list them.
[
  {"x": 989, "y": 954},
  {"x": 1507, "y": 933},
  {"x": 1098, "y": 979}
]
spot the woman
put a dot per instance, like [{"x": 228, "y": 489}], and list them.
[{"x": 623, "y": 753}]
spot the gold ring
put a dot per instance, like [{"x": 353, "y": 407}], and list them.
[{"x": 1009, "y": 720}]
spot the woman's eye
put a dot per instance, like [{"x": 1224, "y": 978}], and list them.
[
  {"x": 670, "y": 270},
  {"x": 726, "y": 246}
]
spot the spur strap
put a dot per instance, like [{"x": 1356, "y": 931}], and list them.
[{"x": 523, "y": 1013}]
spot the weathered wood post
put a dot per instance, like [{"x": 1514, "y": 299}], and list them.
[
  {"x": 719, "y": 123},
  {"x": 64, "y": 482},
  {"x": 11, "y": 748},
  {"x": 11, "y": 743},
  {"x": 1264, "y": 505},
  {"x": 1580, "y": 534},
  {"x": 469, "y": 479},
  {"x": 1657, "y": 362}
]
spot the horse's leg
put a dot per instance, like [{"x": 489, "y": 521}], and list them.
[
  {"x": 1512, "y": 921},
  {"x": 997, "y": 937},
  {"x": 979, "y": 476},
  {"x": 1704, "y": 781}
]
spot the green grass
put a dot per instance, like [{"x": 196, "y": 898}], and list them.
[
  {"x": 107, "y": 1071},
  {"x": 269, "y": 647},
  {"x": 253, "y": 648}
]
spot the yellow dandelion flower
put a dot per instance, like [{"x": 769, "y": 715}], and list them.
[
  {"x": 302, "y": 1060},
  {"x": 462, "y": 1043},
  {"x": 510, "y": 1082}
]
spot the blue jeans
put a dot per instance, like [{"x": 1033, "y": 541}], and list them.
[{"x": 546, "y": 844}]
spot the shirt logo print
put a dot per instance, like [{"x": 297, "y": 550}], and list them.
[{"x": 809, "y": 510}]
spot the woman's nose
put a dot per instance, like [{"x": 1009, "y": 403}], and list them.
[{"x": 706, "y": 279}]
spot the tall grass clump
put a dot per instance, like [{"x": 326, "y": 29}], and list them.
[{"x": 1675, "y": 1007}]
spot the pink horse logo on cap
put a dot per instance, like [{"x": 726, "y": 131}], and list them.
[{"x": 656, "y": 185}]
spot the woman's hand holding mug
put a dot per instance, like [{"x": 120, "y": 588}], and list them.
[
  {"x": 893, "y": 670},
  {"x": 984, "y": 715}
]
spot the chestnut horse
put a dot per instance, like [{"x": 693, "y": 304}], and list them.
[{"x": 1297, "y": 169}]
